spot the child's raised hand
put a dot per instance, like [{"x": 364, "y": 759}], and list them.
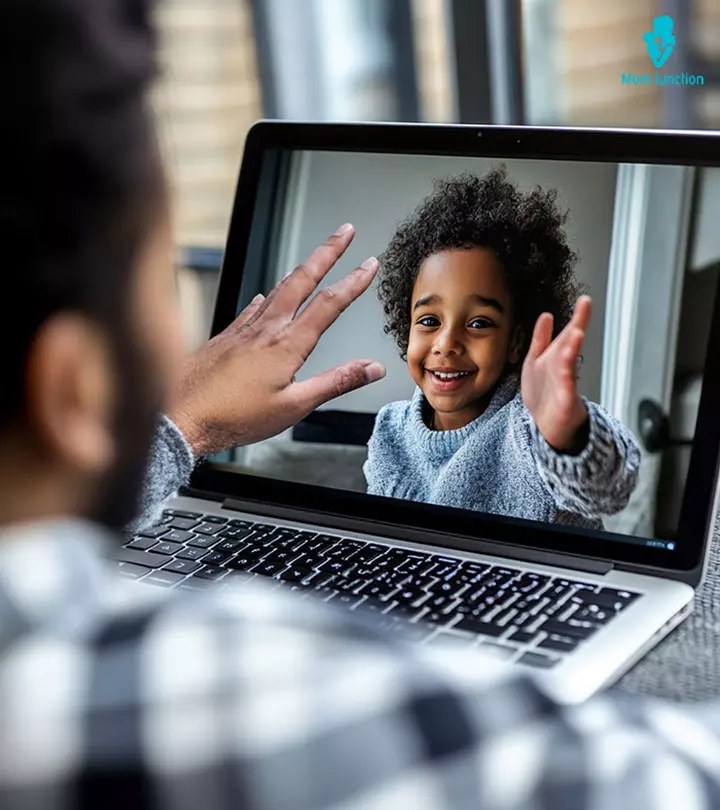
[{"x": 548, "y": 383}]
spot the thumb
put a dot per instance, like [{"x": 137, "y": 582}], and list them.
[
  {"x": 542, "y": 336},
  {"x": 312, "y": 393}
]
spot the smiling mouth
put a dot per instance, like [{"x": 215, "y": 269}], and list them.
[{"x": 449, "y": 375}]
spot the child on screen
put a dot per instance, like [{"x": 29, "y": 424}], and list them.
[{"x": 479, "y": 293}]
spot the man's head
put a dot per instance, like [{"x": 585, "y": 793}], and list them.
[{"x": 90, "y": 333}]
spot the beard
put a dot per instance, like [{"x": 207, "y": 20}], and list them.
[{"x": 138, "y": 406}]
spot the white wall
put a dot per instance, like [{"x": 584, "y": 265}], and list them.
[{"x": 375, "y": 192}]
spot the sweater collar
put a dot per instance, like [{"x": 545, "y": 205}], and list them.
[{"x": 449, "y": 441}]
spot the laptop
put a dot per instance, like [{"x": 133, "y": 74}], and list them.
[{"x": 575, "y": 602}]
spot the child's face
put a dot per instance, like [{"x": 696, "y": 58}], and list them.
[{"x": 460, "y": 321}]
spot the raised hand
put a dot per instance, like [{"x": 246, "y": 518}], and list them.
[
  {"x": 548, "y": 380},
  {"x": 240, "y": 387}
]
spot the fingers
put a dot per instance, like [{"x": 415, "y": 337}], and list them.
[
  {"x": 571, "y": 350},
  {"x": 542, "y": 336},
  {"x": 299, "y": 284},
  {"x": 311, "y": 394},
  {"x": 583, "y": 311},
  {"x": 328, "y": 304},
  {"x": 580, "y": 320},
  {"x": 249, "y": 314}
]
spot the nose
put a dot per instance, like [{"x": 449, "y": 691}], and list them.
[{"x": 447, "y": 341}]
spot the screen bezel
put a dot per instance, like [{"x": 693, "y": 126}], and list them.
[{"x": 616, "y": 146}]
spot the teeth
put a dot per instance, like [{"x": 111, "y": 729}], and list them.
[{"x": 453, "y": 375}]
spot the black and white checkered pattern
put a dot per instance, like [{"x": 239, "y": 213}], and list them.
[{"x": 116, "y": 694}]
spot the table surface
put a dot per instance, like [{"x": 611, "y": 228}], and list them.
[{"x": 685, "y": 666}]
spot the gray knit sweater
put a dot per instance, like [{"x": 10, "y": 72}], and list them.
[{"x": 500, "y": 463}]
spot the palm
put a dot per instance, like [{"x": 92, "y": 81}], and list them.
[{"x": 548, "y": 384}]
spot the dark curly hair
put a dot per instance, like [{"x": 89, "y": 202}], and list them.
[{"x": 525, "y": 230}]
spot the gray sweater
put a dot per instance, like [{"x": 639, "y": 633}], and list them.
[{"x": 500, "y": 463}]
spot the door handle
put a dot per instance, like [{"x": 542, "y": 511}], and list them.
[{"x": 654, "y": 427}]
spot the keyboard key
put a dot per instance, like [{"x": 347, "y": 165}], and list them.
[
  {"x": 599, "y": 600},
  {"x": 154, "y": 531},
  {"x": 406, "y": 612},
  {"x": 295, "y": 575},
  {"x": 208, "y": 528},
  {"x": 211, "y": 572},
  {"x": 347, "y": 600},
  {"x": 143, "y": 543},
  {"x": 372, "y": 606},
  {"x": 529, "y": 583},
  {"x": 214, "y": 519},
  {"x": 508, "y": 572},
  {"x": 472, "y": 625},
  {"x": 559, "y": 643},
  {"x": 163, "y": 547},
  {"x": 193, "y": 585},
  {"x": 368, "y": 552},
  {"x": 317, "y": 545},
  {"x": 203, "y": 541},
  {"x": 446, "y": 570},
  {"x": 132, "y": 571},
  {"x": 474, "y": 568},
  {"x": 268, "y": 569},
  {"x": 234, "y": 532},
  {"x": 436, "y": 618},
  {"x": 284, "y": 555},
  {"x": 623, "y": 596},
  {"x": 440, "y": 602},
  {"x": 178, "y": 536},
  {"x": 573, "y": 584},
  {"x": 181, "y": 514},
  {"x": 334, "y": 566},
  {"x": 594, "y": 614},
  {"x": 183, "y": 523},
  {"x": 522, "y": 637},
  {"x": 140, "y": 557},
  {"x": 230, "y": 546},
  {"x": 182, "y": 566},
  {"x": 237, "y": 578},
  {"x": 410, "y": 596},
  {"x": 532, "y": 659},
  {"x": 319, "y": 578},
  {"x": 451, "y": 641},
  {"x": 501, "y": 651},
  {"x": 241, "y": 523},
  {"x": 191, "y": 553},
  {"x": 573, "y": 628},
  {"x": 378, "y": 590},
  {"x": 164, "y": 578},
  {"x": 216, "y": 557},
  {"x": 446, "y": 587}
]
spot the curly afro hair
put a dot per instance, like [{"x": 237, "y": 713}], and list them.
[{"x": 525, "y": 230}]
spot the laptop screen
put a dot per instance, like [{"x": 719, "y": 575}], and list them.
[{"x": 472, "y": 414}]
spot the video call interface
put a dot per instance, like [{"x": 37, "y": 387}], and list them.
[{"x": 490, "y": 404}]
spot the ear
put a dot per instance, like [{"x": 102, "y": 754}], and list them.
[
  {"x": 70, "y": 393},
  {"x": 517, "y": 340}
]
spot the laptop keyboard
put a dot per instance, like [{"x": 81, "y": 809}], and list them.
[{"x": 515, "y": 614}]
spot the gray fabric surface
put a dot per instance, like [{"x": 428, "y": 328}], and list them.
[{"x": 686, "y": 665}]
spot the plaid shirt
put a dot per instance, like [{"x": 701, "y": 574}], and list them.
[{"x": 113, "y": 693}]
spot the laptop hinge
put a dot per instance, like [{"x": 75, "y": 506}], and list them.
[{"x": 366, "y": 526}]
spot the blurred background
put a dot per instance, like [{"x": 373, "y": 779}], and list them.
[{"x": 228, "y": 63}]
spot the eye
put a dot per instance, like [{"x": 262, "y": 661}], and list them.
[
  {"x": 428, "y": 320},
  {"x": 481, "y": 323}
]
